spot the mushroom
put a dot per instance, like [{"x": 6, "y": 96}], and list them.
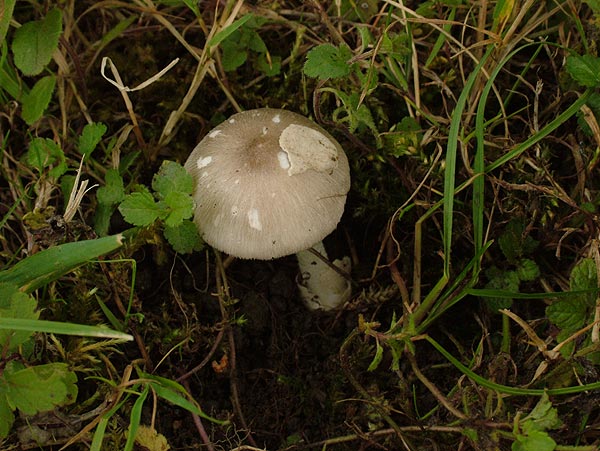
[{"x": 270, "y": 183}]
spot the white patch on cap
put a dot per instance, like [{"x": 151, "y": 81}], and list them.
[
  {"x": 236, "y": 181},
  {"x": 214, "y": 133},
  {"x": 204, "y": 174},
  {"x": 284, "y": 161},
  {"x": 264, "y": 130},
  {"x": 276, "y": 119},
  {"x": 308, "y": 148},
  {"x": 254, "y": 219},
  {"x": 231, "y": 121},
  {"x": 204, "y": 161},
  {"x": 234, "y": 210}
]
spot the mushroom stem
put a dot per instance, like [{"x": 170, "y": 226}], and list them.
[{"x": 320, "y": 285}]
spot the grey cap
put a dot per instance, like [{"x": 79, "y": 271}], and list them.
[{"x": 269, "y": 183}]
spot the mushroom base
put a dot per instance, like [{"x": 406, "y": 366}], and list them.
[{"x": 321, "y": 286}]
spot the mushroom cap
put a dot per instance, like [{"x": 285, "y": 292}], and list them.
[{"x": 268, "y": 183}]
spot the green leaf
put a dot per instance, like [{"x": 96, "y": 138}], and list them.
[
  {"x": 514, "y": 243},
  {"x": 43, "y": 153},
  {"x": 568, "y": 314},
  {"x": 90, "y": 137},
  {"x": 134, "y": 419},
  {"x": 10, "y": 80},
  {"x": 15, "y": 304},
  {"x": 5, "y": 16},
  {"x": 172, "y": 177},
  {"x": 404, "y": 139},
  {"x": 502, "y": 12},
  {"x": 37, "y": 100},
  {"x": 176, "y": 394},
  {"x": 234, "y": 54},
  {"x": 543, "y": 417},
  {"x": 34, "y": 42},
  {"x": 39, "y": 388},
  {"x": 113, "y": 190},
  {"x": 184, "y": 238},
  {"x": 377, "y": 358},
  {"x": 537, "y": 441},
  {"x": 108, "y": 196},
  {"x": 140, "y": 209},
  {"x": 269, "y": 67},
  {"x": 327, "y": 61},
  {"x": 193, "y": 5},
  {"x": 181, "y": 206},
  {"x": 254, "y": 41},
  {"x": 224, "y": 33},
  {"x": 573, "y": 312},
  {"x": 584, "y": 276},
  {"x": 6, "y": 416},
  {"x": 528, "y": 270},
  {"x": 177, "y": 399},
  {"x": 39, "y": 269},
  {"x": 56, "y": 327},
  {"x": 594, "y": 5},
  {"x": 502, "y": 281},
  {"x": 585, "y": 69}
]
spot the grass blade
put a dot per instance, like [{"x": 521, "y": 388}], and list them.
[
  {"x": 39, "y": 269},
  {"x": 55, "y": 327}
]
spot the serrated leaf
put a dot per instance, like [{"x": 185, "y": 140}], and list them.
[
  {"x": 184, "y": 238},
  {"x": 113, "y": 190},
  {"x": 584, "y": 276},
  {"x": 568, "y": 314},
  {"x": 39, "y": 388},
  {"x": 514, "y": 243},
  {"x": 36, "y": 101},
  {"x": 584, "y": 69},
  {"x": 90, "y": 137},
  {"x": 327, "y": 61},
  {"x": 528, "y": 270},
  {"x": 15, "y": 304},
  {"x": 234, "y": 55},
  {"x": 172, "y": 177},
  {"x": 543, "y": 417},
  {"x": 573, "y": 312},
  {"x": 537, "y": 441},
  {"x": 43, "y": 152},
  {"x": 34, "y": 42},
  {"x": 505, "y": 281},
  {"x": 140, "y": 209},
  {"x": 181, "y": 206}
]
